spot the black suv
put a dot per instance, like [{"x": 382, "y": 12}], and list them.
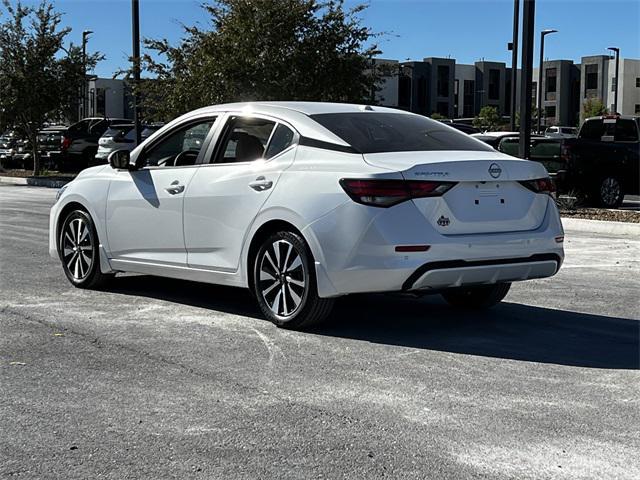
[{"x": 80, "y": 142}]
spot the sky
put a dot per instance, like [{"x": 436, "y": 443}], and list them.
[{"x": 466, "y": 30}]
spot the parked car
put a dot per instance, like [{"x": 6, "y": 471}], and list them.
[
  {"x": 7, "y": 148},
  {"x": 149, "y": 130},
  {"x": 119, "y": 136},
  {"x": 561, "y": 132},
  {"x": 603, "y": 163},
  {"x": 463, "y": 127},
  {"x": 50, "y": 144},
  {"x": 546, "y": 151},
  {"x": 305, "y": 202},
  {"x": 80, "y": 142}
]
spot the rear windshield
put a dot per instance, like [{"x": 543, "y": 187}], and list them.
[
  {"x": 620, "y": 130},
  {"x": 118, "y": 130},
  {"x": 395, "y": 132}
]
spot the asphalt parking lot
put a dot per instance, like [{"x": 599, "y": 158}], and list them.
[{"x": 162, "y": 378}]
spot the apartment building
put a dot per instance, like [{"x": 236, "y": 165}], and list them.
[{"x": 440, "y": 85}]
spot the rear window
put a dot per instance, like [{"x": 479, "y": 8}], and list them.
[
  {"x": 118, "y": 130},
  {"x": 570, "y": 131},
  {"x": 395, "y": 132},
  {"x": 620, "y": 130}
]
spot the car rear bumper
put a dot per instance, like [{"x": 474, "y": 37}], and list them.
[
  {"x": 456, "y": 273},
  {"x": 357, "y": 253}
]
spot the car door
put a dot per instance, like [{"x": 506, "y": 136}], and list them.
[
  {"x": 226, "y": 194},
  {"x": 144, "y": 207}
]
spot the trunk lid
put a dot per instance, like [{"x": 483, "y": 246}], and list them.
[{"x": 487, "y": 198}]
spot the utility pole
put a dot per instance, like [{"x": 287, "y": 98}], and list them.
[
  {"x": 514, "y": 64},
  {"x": 543, "y": 34},
  {"x": 135, "y": 30},
  {"x": 615, "y": 95},
  {"x": 528, "y": 20},
  {"x": 83, "y": 88}
]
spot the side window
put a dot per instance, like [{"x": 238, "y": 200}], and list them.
[
  {"x": 180, "y": 147},
  {"x": 245, "y": 140},
  {"x": 281, "y": 139}
]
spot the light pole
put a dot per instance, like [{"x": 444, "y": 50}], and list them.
[
  {"x": 135, "y": 31},
  {"x": 83, "y": 89},
  {"x": 543, "y": 34},
  {"x": 528, "y": 20},
  {"x": 514, "y": 63},
  {"x": 615, "y": 95}
]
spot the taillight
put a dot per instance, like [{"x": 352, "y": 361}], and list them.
[
  {"x": 540, "y": 185},
  {"x": 386, "y": 193},
  {"x": 65, "y": 143}
]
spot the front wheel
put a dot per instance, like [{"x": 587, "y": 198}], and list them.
[
  {"x": 481, "y": 296},
  {"x": 285, "y": 285},
  {"x": 78, "y": 251}
]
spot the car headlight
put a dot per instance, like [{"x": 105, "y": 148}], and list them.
[{"x": 60, "y": 192}]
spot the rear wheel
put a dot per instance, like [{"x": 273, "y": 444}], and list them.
[
  {"x": 285, "y": 285},
  {"x": 78, "y": 251},
  {"x": 611, "y": 193},
  {"x": 481, "y": 296}
]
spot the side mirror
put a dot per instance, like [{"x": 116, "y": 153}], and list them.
[{"x": 120, "y": 160}]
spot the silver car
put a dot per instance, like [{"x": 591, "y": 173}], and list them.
[{"x": 117, "y": 137}]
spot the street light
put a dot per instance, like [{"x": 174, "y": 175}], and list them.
[
  {"x": 543, "y": 34},
  {"x": 615, "y": 96},
  {"x": 514, "y": 64},
  {"x": 135, "y": 34},
  {"x": 83, "y": 89}
]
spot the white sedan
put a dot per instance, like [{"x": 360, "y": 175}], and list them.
[{"x": 305, "y": 202}]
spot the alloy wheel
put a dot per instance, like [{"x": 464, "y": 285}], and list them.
[
  {"x": 77, "y": 248},
  {"x": 610, "y": 191},
  {"x": 282, "y": 280}
]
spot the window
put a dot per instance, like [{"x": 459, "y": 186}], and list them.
[
  {"x": 468, "y": 100},
  {"x": 568, "y": 131},
  {"x": 591, "y": 77},
  {"x": 245, "y": 140},
  {"x": 551, "y": 80},
  {"x": 626, "y": 131},
  {"x": 443, "y": 109},
  {"x": 180, "y": 147},
  {"x": 443, "y": 81},
  {"x": 550, "y": 111},
  {"x": 395, "y": 132},
  {"x": 494, "y": 84},
  {"x": 281, "y": 139},
  {"x": 637, "y": 82},
  {"x": 592, "y": 130},
  {"x": 637, "y": 109}
]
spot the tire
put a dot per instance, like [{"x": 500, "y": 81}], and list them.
[
  {"x": 482, "y": 296},
  {"x": 284, "y": 283},
  {"x": 610, "y": 192},
  {"x": 78, "y": 251}
]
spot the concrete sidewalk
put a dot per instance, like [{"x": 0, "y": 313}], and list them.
[
  {"x": 53, "y": 182},
  {"x": 601, "y": 227}
]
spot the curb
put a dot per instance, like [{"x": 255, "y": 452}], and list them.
[
  {"x": 600, "y": 226},
  {"x": 36, "y": 181}
]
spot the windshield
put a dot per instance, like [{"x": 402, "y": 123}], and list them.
[{"x": 369, "y": 132}]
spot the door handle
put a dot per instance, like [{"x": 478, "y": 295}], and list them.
[
  {"x": 261, "y": 184},
  {"x": 175, "y": 188}
]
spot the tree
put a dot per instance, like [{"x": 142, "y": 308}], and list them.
[
  {"x": 488, "y": 119},
  {"x": 262, "y": 50},
  {"x": 39, "y": 77},
  {"x": 593, "y": 107}
]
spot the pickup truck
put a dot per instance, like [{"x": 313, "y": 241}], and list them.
[{"x": 603, "y": 163}]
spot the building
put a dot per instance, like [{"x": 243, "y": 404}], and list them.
[
  {"x": 106, "y": 97},
  {"x": 561, "y": 97},
  {"x": 453, "y": 90}
]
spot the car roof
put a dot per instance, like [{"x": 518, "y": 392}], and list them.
[{"x": 295, "y": 113}]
